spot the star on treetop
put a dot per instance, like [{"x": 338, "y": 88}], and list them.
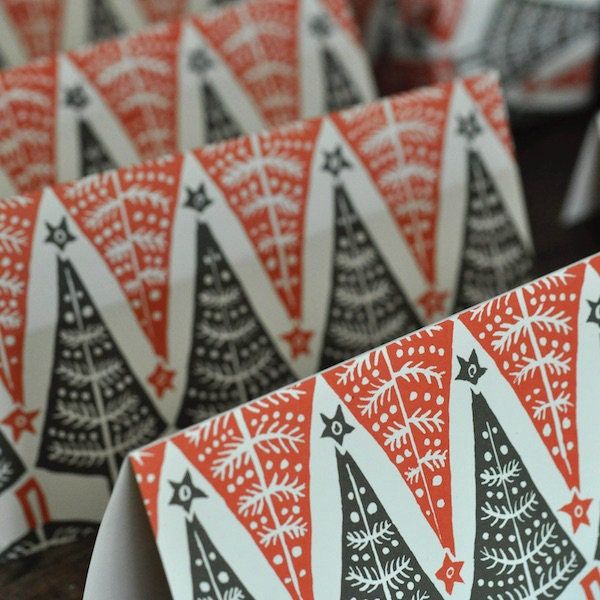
[
  {"x": 59, "y": 235},
  {"x": 320, "y": 25},
  {"x": 199, "y": 61},
  {"x": 335, "y": 162},
  {"x": 470, "y": 369},
  {"x": 469, "y": 126},
  {"x": 185, "y": 492},
  {"x": 76, "y": 97},
  {"x": 197, "y": 198},
  {"x": 594, "y": 316},
  {"x": 336, "y": 427}
]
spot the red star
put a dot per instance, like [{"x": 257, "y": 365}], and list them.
[
  {"x": 577, "y": 509},
  {"x": 433, "y": 302},
  {"x": 161, "y": 380},
  {"x": 298, "y": 339},
  {"x": 449, "y": 573},
  {"x": 20, "y": 420}
]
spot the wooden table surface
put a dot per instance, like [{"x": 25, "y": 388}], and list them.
[{"x": 546, "y": 154}]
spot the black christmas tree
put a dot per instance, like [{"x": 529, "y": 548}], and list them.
[
  {"x": 103, "y": 22},
  {"x": 219, "y": 124},
  {"x": 376, "y": 560},
  {"x": 367, "y": 307},
  {"x": 339, "y": 88},
  {"x": 523, "y": 34},
  {"x": 232, "y": 358},
  {"x": 97, "y": 409},
  {"x": 494, "y": 257},
  {"x": 93, "y": 156},
  {"x": 11, "y": 466},
  {"x": 520, "y": 546},
  {"x": 212, "y": 577}
]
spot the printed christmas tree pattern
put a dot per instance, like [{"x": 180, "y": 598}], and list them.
[
  {"x": 438, "y": 18},
  {"x": 257, "y": 40},
  {"x": 128, "y": 216},
  {"x": 11, "y": 465},
  {"x": 531, "y": 334},
  {"x": 38, "y": 24},
  {"x": 97, "y": 410},
  {"x": 136, "y": 77},
  {"x": 93, "y": 156},
  {"x": 210, "y": 573},
  {"x": 486, "y": 93},
  {"x": 264, "y": 178},
  {"x": 257, "y": 459},
  {"x": 400, "y": 142},
  {"x": 400, "y": 393},
  {"x": 212, "y": 577},
  {"x": 103, "y": 22},
  {"x": 43, "y": 532},
  {"x": 232, "y": 359},
  {"x": 27, "y": 108},
  {"x": 521, "y": 551},
  {"x": 376, "y": 561},
  {"x": 219, "y": 124},
  {"x": 494, "y": 258},
  {"x": 18, "y": 215},
  {"x": 523, "y": 34},
  {"x": 339, "y": 88},
  {"x": 367, "y": 307},
  {"x": 159, "y": 10}
]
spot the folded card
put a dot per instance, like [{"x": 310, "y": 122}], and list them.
[
  {"x": 583, "y": 195},
  {"x": 177, "y": 86},
  {"x": 158, "y": 295},
  {"x": 31, "y": 29},
  {"x": 545, "y": 50},
  {"x": 461, "y": 459}
]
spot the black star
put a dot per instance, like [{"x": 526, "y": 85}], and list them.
[
  {"x": 59, "y": 235},
  {"x": 320, "y": 25},
  {"x": 335, "y": 162},
  {"x": 197, "y": 198},
  {"x": 199, "y": 61},
  {"x": 185, "y": 492},
  {"x": 594, "y": 316},
  {"x": 469, "y": 127},
  {"x": 470, "y": 370},
  {"x": 76, "y": 97},
  {"x": 336, "y": 427}
]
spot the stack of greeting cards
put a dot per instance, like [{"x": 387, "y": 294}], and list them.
[
  {"x": 176, "y": 86},
  {"x": 544, "y": 50},
  {"x": 151, "y": 297},
  {"x": 459, "y": 460}
]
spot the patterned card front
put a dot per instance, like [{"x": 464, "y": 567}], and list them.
[
  {"x": 544, "y": 50},
  {"x": 38, "y": 28},
  {"x": 176, "y": 86},
  {"x": 460, "y": 460},
  {"x": 158, "y": 295}
]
